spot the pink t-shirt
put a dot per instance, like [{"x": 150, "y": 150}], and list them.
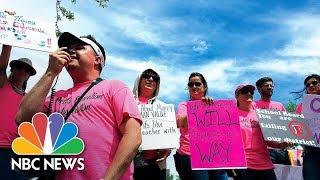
[
  {"x": 184, "y": 148},
  {"x": 98, "y": 117},
  {"x": 9, "y": 103},
  {"x": 256, "y": 151},
  {"x": 272, "y": 105}
]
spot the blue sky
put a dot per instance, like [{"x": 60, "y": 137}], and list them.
[{"x": 230, "y": 42}]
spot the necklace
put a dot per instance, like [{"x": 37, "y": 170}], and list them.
[{"x": 18, "y": 90}]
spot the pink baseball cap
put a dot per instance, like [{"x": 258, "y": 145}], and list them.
[{"x": 239, "y": 87}]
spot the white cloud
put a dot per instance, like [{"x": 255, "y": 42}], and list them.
[
  {"x": 200, "y": 46},
  {"x": 304, "y": 32},
  {"x": 285, "y": 66}
]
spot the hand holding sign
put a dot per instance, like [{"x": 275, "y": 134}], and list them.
[
  {"x": 26, "y": 32},
  {"x": 215, "y": 137},
  {"x": 281, "y": 126}
]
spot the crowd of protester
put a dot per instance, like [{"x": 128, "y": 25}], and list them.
[{"x": 111, "y": 125}]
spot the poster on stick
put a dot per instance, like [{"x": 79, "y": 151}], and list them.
[
  {"x": 159, "y": 128},
  {"x": 215, "y": 135},
  {"x": 311, "y": 112},
  {"x": 281, "y": 126},
  {"x": 27, "y": 32}
]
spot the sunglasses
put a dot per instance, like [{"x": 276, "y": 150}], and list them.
[
  {"x": 148, "y": 76},
  {"x": 314, "y": 83},
  {"x": 69, "y": 51},
  {"x": 246, "y": 91},
  {"x": 192, "y": 84},
  {"x": 22, "y": 67}
]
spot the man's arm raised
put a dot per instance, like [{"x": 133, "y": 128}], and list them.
[
  {"x": 4, "y": 59},
  {"x": 33, "y": 101}
]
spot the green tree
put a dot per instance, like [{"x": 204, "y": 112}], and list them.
[
  {"x": 61, "y": 11},
  {"x": 291, "y": 106}
]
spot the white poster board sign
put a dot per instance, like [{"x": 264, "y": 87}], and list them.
[
  {"x": 159, "y": 129},
  {"x": 311, "y": 112},
  {"x": 287, "y": 172},
  {"x": 27, "y": 32}
]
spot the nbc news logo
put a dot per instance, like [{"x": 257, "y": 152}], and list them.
[{"x": 47, "y": 136}]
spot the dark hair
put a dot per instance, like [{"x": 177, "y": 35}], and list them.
[
  {"x": 299, "y": 94},
  {"x": 203, "y": 80},
  {"x": 98, "y": 44},
  {"x": 262, "y": 80},
  {"x": 152, "y": 73}
]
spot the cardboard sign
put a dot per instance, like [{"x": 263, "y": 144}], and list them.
[
  {"x": 287, "y": 172},
  {"x": 26, "y": 32},
  {"x": 159, "y": 128},
  {"x": 281, "y": 126},
  {"x": 311, "y": 112},
  {"x": 215, "y": 136}
]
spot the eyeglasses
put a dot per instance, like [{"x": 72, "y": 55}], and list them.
[
  {"x": 246, "y": 91},
  {"x": 148, "y": 76},
  {"x": 191, "y": 84},
  {"x": 314, "y": 83}
]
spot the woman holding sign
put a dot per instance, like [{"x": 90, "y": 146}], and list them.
[
  {"x": 149, "y": 164},
  {"x": 311, "y": 156},
  {"x": 12, "y": 90},
  {"x": 198, "y": 88},
  {"x": 258, "y": 160}
]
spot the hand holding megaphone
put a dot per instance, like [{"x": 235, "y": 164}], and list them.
[{"x": 57, "y": 60}]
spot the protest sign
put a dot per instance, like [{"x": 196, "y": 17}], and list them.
[
  {"x": 215, "y": 136},
  {"x": 311, "y": 112},
  {"x": 159, "y": 128},
  {"x": 282, "y": 126},
  {"x": 287, "y": 172},
  {"x": 27, "y": 32}
]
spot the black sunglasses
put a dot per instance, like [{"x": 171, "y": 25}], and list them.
[
  {"x": 148, "y": 76},
  {"x": 191, "y": 84},
  {"x": 314, "y": 83},
  {"x": 22, "y": 66},
  {"x": 69, "y": 51},
  {"x": 246, "y": 91}
]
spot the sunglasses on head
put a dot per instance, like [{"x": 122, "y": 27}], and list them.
[
  {"x": 148, "y": 76},
  {"x": 314, "y": 83},
  {"x": 191, "y": 84},
  {"x": 246, "y": 91}
]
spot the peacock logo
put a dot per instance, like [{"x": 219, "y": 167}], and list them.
[{"x": 46, "y": 136}]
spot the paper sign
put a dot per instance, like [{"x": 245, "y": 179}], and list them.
[
  {"x": 215, "y": 136},
  {"x": 159, "y": 128},
  {"x": 26, "y": 32},
  {"x": 281, "y": 126},
  {"x": 287, "y": 172},
  {"x": 311, "y": 112}
]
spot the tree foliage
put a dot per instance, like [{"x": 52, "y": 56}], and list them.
[
  {"x": 62, "y": 12},
  {"x": 291, "y": 106}
]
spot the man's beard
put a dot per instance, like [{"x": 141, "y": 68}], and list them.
[{"x": 267, "y": 94}]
